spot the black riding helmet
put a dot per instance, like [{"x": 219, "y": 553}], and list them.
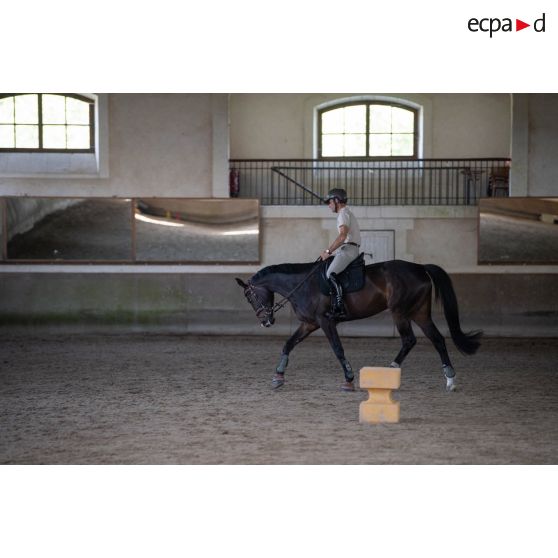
[{"x": 338, "y": 193}]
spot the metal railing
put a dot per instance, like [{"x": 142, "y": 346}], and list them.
[{"x": 388, "y": 182}]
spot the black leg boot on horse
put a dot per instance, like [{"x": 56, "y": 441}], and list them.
[{"x": 337, "y": 306}]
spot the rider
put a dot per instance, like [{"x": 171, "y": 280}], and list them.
[{"x": 345, "y": 248}]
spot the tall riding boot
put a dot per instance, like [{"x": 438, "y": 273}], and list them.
[{"x": 337, "y": 306}]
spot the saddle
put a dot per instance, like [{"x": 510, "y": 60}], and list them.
[{"x": 351, "y": 278}]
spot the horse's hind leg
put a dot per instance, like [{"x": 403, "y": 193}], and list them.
[
  {"x": 424, "y": 321},
  {"x": 303, "y": 331},
  {"x": 408, "y": 339}
]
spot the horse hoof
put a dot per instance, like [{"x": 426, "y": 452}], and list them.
[
  {"x": 348, "y": 386},
  {"x": 450, "y": 386},
  {"x": 277, "y": 381}
]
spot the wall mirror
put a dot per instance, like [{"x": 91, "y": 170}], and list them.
[
  {"x": 146, "y": 230},
  {"x": 68, "y": 229},
  {"x": 197, "y": 230},
  {"x": 518, "y": 231}
]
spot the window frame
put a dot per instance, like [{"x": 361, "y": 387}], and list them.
[
  {"x": 88, "y": 100},
  {"x": 367, "y": 104}
]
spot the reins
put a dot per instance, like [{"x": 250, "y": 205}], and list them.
[
  {"x": 285, "y": 299},
  {"x": 269, "y": 311}
]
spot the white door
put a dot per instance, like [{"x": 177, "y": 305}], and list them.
[{"x": 381, "y": 244}]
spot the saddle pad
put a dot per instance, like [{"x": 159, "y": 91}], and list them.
[{"x": 351, "y": 279}]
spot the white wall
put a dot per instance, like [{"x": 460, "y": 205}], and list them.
[
  {"x": 446, "y": 236},
  {"x": 534, "y": 170},
  {"x": 473, "y": 125},
  {"x": 158, "y": 145},
  {"x": 543, "y": 145},
  {"x": 454, "y": 125}
]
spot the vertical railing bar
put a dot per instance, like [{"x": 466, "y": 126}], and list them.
[
  {"x": 416, "y": 184},
  {"x": 380, "y": 186},
  {"x": 362, "y": 186},
  {"x": 396, "y": 186},
  {"x": 430, "y": 184},
  {"x": 449, "y": 190},
  {"x": 4, "y": 231}
]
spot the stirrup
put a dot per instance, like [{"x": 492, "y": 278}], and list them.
[{"x": 336, "y": 311}]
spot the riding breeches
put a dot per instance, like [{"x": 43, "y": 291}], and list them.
[{"x": 343, "y": 257}]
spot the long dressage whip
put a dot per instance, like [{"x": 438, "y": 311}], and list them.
[
  {"x": 296, "y": 183},
  {"x": 285, "y": 299}
]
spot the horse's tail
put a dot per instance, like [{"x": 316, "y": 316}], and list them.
[{"x": 467, "y": 343}]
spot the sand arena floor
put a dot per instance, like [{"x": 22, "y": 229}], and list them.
[{"x": 171, "y": 399}]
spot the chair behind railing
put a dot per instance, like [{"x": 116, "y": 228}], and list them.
[{"x": 499, "y": 181}]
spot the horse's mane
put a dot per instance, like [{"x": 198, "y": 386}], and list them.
[{"x": 286, "y": 268}]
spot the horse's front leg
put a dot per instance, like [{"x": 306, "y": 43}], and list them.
[
  {"x": 330, "y": 329},
  {"x": 303, "y": 331}
]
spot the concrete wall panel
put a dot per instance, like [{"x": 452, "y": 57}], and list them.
[{"x": 519, "y": 305}]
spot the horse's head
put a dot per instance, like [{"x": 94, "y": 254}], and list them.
[{"x": 261, "y": 299}]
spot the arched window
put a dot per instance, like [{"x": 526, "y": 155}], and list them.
[
  {"x": 368, "y": 129},
  {"x": 47, "y": 122}
]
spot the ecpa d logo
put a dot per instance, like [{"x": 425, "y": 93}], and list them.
[{"x": 492, "y": 25}]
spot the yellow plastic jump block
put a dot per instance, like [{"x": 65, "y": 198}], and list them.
[{"x": 379, "y": 407}]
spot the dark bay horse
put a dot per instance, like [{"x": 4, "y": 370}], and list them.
[{"x": 404, "y": 288}]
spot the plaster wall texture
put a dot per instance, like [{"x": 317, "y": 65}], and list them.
[
  {"x": 454, "y": 125},
  {"x": 451, "y": 244},
  {"x": 534, "y": 145},
  {"x": 161, "y": 144},
  {"x": 543, "y": 145},
  {"x": 512, "y": 305},
  {"x": 446, "y": 236},
  {"x": 473, "y": 125},
  {"x": 153, "y": 145}
]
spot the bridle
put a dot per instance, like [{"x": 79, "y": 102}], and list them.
[
  {"x": 265, "y": 309},
  {"x": 259, "y": 306}
]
